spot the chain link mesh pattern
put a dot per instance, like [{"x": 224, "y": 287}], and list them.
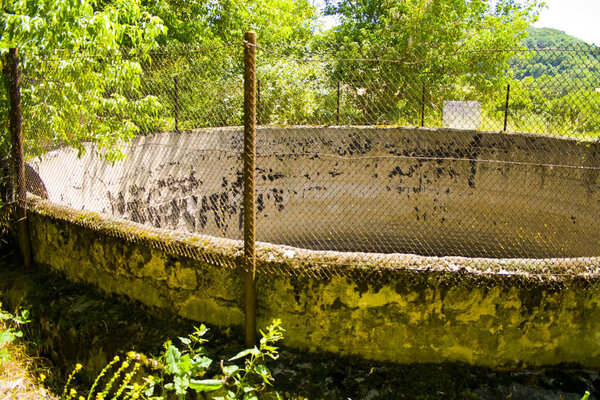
[
  {"x": 413, "y": 157},
  {"x": 371, "y": 158},
  {"x": 153, "y": 129}
]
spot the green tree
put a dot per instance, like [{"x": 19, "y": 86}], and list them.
[
  {"x": 77, "y": 84},
  {"x": 443, "y": 45},
  {"x": 203, "y": 53},
  {"x": 200, "y": 22}
]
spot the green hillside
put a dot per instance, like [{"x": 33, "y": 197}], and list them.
[
  {"x": 549, "y": 37},
  {"x": 558, "y": 54}
]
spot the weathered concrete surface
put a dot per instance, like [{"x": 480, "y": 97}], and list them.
[
  {"x": 409, "y": 319},
  {"x": 374, "y": 189},
  {"x": 488, "y": 312},
  {"x": 109, "y": 259},
  {"x": 439, "y": 193}
]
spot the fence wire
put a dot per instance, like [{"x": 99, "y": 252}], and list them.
[
  {"x": 503, "y": 163},
  {"x": 137, "y": 136},
  {"x": 365, "y": 155}
]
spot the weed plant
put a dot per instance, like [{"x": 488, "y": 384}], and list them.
[
  {"x": 184, "y": 370},
  {"x": 10, "y": 330}
]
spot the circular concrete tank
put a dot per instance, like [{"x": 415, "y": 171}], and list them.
[{"x": 435, "y": 192}]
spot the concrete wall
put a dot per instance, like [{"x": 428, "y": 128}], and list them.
[
  {"x": 364, "y": 191},
  {"x": 374, "y": 189},
  {"x": 490, "y": 312}
]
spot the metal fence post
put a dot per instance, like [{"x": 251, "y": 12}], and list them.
[
  {"x": 249, "y": 158},
  {"x": 506, "y": 107},
  {"x": 18, "y": 158},
  {"x": 337, "y": 115},
  {"x": 175, "y": 88},
  {"x": 423, "y": 105},
  {"x": 258, "y": 102}
]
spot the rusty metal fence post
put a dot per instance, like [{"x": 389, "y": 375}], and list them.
[
  {"x": 506, "y": 107},
  {"x": 176, "y": 101},
  {"x": 258, "y": 108},
  {"x": 423, "y": 105},
  {"x": 18, "y": 158},
  {"x": 249, "y": 159}
]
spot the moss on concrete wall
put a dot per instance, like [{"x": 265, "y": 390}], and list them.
[
  {"x": 192, "y": 289},
  {"x": 417, "y": 309}
]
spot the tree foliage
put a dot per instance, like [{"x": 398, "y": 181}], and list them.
[
  {"x": 443, "y": 45},
  {"x": 83, "y": 62},
  {"x": 93, "y": 71},
  {"x": 72, "y": 92},
  {"x": 556, "y": 81}
]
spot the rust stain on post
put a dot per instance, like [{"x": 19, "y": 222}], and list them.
[
  {"x": 18, "y": 157},
  {"x": 249, "y": 157}
]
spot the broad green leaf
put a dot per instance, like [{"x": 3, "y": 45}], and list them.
[
  {"x": 185, "y": 340},
  {"x": 244, "y": 353},
  {"x": 172, "y": 356},
  {"x": 205, "y": 385},
  {"x": 181, "y": 383},
  {"x": 231, "y": 369},
  {"x": 262, "y": 371},
  {"x": 185, "y": 364},
  {"x": 202, "y": 362}
]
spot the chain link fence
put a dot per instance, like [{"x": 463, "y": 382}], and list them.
[
  {"x": 472, "y": 154},
  {"x": 370, "y": 157},
  {"x": 135, "y": 136}
]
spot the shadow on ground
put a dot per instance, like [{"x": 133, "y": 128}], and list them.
[{"x": 74, "y": 323}]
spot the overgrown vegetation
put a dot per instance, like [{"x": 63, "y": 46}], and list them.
[
  {"x": 181, "y": 370},
  {"x": 10, "y": 330},
  {"x": 94, "y": 71}
]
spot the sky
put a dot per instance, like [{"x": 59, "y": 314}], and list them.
[{"x": 579, "y": 18}]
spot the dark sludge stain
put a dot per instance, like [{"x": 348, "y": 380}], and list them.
[
  {"x": 397, "y": 171},
  {"x": 260, "y": 203},
  {"x": 276, "y": 175},
  {"x": 221, "y": 207}
]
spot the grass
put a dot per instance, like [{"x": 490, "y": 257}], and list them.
[{"x": 21, "y": 375}]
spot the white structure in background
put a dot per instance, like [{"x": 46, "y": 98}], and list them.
[{"x": 462, "y": 115}]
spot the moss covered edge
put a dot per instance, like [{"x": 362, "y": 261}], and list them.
[{"x": 391, "y": 307}]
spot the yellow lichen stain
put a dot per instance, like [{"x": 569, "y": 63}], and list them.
[
  {"x": 281, "y": 298},
  {"x": 496, "y": 329},
  {"x": 510, "y": 300},
  {"x": 210, "y": 311},
  {"x": 460, "y": 353},
  {"x": 155, "y": 268},
  {"x": 182, "y": 277},
  {"x": 476, "y": 305},
  {"x": 98, "y": 250},
  {"x": 416, "y": 317},
  {"x": 384, "y": 296}
]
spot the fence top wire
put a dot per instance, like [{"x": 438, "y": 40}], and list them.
[
  {"x": 170, "y": 49},
  {"x": 331, "y": 54}
]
